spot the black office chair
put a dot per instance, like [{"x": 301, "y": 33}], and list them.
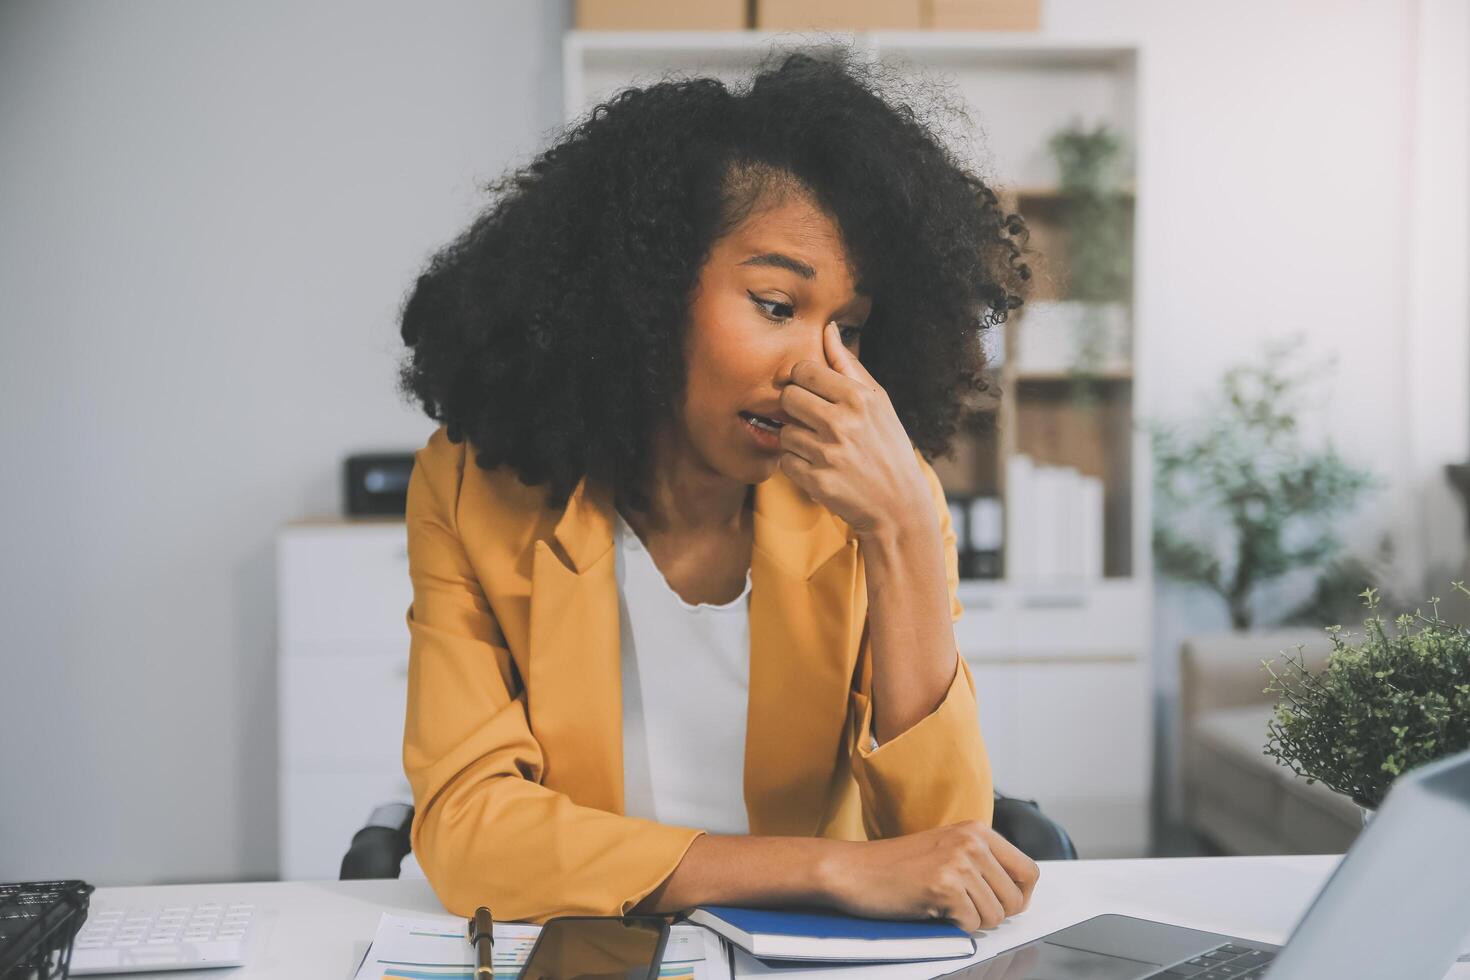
[{"x": 378, "y": 849}]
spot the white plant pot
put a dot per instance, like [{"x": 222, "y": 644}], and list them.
[{"x": 1050, "y": 332}]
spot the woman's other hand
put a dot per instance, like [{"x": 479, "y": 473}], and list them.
[
  {"x": 848, "y": 450},
  {"x": 965, "y": 872}
]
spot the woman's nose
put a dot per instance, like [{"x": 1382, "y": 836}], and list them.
[{"x": 806, "y": 345}]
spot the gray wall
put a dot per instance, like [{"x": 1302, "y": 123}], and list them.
[{"x": 209, "y": 212}]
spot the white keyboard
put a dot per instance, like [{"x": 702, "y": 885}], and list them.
[{"x": 178, "y": 937}]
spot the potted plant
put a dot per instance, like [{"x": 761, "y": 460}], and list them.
[
  {"x": 1259, "y": 499},
  {"x": 1089, "y": 330},
  {"x": 1383, "y": 704}
]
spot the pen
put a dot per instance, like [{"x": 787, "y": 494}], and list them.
[{"x": 482, "y": 937}]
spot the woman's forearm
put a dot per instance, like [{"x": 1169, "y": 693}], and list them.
[
  {"x": 755, "y": 871},
  {"x": 909, "y": 623}
]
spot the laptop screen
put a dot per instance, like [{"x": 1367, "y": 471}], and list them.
[{"x": 1398, "y": 905}]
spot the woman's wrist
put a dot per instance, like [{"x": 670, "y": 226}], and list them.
[
  {"x": 830, "y": 868},
  {"x": 889, "y": 539},
  {"x": 758, "y": 871}
]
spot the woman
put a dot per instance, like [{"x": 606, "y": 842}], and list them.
[{"x": 684, "y": 587}]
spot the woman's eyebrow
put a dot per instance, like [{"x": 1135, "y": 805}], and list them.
[{"x": 779, "y": 261}]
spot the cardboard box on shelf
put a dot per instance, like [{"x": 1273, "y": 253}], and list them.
[
  {"x": 662, "y": 15},
  {"x": 983, "y": 15},
  {"x": 839, "y": 15}
]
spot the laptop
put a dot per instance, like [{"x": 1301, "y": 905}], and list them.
[{"x": 1397, "y": 905}]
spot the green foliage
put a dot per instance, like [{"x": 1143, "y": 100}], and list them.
[
  {"x": 1099, "y": 254},
  {"x": 1336, "y": 596},
  {"x": 1380, "y": 707},
  {"x": 1099, "y": 242},
  {"x": 1245, "y": 468}
]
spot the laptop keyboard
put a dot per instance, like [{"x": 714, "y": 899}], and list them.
[{"x": 1227, "y": 962}]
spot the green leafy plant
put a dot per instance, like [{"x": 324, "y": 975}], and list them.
[
  {"x": 1245, "y": 473},
  {"x": 1381, "y": 706},
  {"x": 1336, "y": 597},
  {"x": 1099, "y": 249}
]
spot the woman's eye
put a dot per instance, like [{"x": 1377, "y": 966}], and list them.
[{"x": 774, "y": 309}]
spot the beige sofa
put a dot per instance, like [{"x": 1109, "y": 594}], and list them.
[{"x": 1237, "y": 797}]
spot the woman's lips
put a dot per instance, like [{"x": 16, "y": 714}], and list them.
[{"x": 763, "y": 429}]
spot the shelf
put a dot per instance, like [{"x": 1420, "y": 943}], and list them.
[
  {"x": 1055, "y": 377},
  {"x": 1039, "y": 192},
  {"x": 1025, "y": 621},
  {"x": 1017, "y": 45}
]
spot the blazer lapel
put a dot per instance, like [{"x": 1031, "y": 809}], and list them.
[
  {"x": 575, "y": 700},
  {"x": 806, "y": 608}
]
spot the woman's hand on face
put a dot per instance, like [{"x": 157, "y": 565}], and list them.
[
  {"x": 965, "y": 872},
  {"x": 848, "y": 450}
]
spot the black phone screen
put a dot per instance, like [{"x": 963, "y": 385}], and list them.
[{"x": 583, "y": 947}]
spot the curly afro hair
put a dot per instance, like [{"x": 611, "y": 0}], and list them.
[{"x": 550, "y": 332}]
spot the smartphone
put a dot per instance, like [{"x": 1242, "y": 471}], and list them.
[{"x": 597, "y": 947}]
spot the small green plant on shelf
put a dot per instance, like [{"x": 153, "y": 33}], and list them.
[
  {"x": 1099, "y": 253},
  {"x": 1381, "y": 706},
  {"x": 1244, "y": 474}
]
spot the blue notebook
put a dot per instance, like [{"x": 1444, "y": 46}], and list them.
[{"x": 778, "y": 934}]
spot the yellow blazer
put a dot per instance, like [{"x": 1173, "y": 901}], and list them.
[{"x": 513, "y": 735}]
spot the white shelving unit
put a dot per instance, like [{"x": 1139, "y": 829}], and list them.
[{"x": 1062, "y": 671}]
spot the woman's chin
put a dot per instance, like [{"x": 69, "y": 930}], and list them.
[{"x": 761, "y": 469}]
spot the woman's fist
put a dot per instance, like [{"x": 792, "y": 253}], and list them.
[{"x": 965, "y": 872}]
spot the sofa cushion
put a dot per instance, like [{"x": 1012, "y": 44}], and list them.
[
  {"x": 1315, "y": 819},
  {"x": 1225, "y": 767},
  {"x": 1244, "y": 795}
]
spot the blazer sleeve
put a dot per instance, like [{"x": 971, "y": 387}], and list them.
[
  {"x": 485, "y": 831},
  {"x": 936, "y": 772}
]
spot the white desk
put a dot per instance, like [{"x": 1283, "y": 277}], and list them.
[{"x": 319, "y": 930}]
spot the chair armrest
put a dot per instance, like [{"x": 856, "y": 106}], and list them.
[{"x": 378, "y": 849}]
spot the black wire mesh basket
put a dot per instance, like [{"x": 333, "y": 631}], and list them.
[{"x": 38, "y": 921}]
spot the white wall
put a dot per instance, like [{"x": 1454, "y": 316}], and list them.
[{"x": 210, "y": 214}]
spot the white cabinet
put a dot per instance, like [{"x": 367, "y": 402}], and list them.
[
  {"x": 1074, "y": 737},
  {"x": 342, "y": 676},
  {"x": 1064, "y": 693}
]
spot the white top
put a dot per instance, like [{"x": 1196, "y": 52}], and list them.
[{"x": 686, "y": 685}]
